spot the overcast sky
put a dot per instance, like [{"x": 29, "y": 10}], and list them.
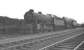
[{"x": 69, "y": 8}]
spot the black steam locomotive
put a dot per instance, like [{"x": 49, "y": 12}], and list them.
[{"x": 41, "y": 22}]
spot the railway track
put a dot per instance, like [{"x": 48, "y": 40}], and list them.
[
  {"x": 38, "y": 43},
  {"x": 7, "y": 43},
  {"x": 70, "y": 44},
  {"x": 80, "y": 46}
]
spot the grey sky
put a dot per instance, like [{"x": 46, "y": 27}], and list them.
[{"x": 69, "y": 8}]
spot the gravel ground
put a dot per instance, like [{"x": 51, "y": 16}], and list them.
[{"x": 42, "y": 42}]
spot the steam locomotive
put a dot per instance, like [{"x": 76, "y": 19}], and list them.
[{"x": 48, "y": 22}]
